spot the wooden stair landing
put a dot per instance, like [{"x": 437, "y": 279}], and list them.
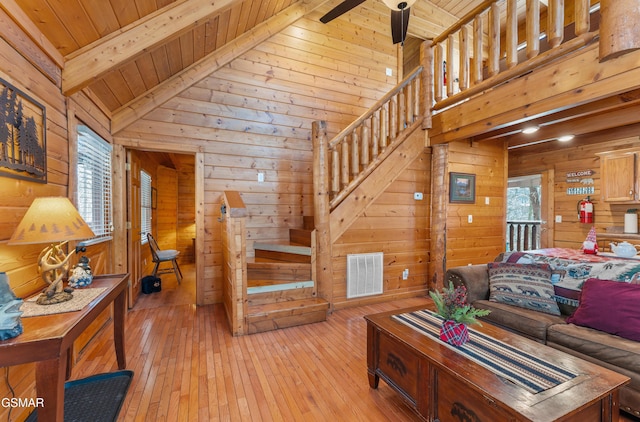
[{"x": 280, "y": 290}]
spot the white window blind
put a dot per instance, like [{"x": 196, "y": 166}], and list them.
[
  {"x": 145, "y": 205},
  {"x": 94, "y": 181}
]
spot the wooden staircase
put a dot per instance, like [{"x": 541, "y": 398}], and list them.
[{"x": 281, "y": 291}]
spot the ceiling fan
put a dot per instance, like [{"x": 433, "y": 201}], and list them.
[{"x": 399, "y": 15}]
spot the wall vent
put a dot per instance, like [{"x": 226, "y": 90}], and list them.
[{"x": 364, "y": 274}]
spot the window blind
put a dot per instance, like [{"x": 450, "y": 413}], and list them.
[
  {"x": 94, "y": 181},
  {"x": 145, "y": 205}
]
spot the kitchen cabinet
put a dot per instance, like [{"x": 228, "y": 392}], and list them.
[{"x": 619, "y": 176}]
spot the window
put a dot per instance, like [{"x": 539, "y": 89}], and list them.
[
  {"x": 94, "y": 182},
  {"x": 145, "y": 205}
]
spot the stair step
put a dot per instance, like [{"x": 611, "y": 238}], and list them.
[
  {"x": 272, "y": 316},
  {"x": 277, "y": 296},
  {"x": 300, "y": 236},
  {"x": 272, "y": 287},
  {"x": 264, "y": 269},
  {"x": 308, "y": 222},
  {"x": 282, "y": 252}
]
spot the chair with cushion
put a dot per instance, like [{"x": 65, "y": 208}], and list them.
[{"x": 167, "y": 255}]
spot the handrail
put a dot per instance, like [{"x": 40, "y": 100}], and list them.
[
  {"x": 356, "y": 123},
  {"x": 358, "y": 148}
]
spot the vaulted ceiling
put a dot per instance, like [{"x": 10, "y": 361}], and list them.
[{"x": 121, "y": 50}]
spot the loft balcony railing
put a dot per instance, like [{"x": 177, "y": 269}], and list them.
[{"x": 491, "y": 32}]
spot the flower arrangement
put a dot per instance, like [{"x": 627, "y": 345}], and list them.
[{"x": 451, "y": 304}]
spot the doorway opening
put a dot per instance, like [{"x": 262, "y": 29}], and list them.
[
  {"x": 170, "y": 217},
  {"x": 524, "y": 213}
]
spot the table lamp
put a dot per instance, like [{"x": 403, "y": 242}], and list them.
[{"x": 52, "y": 220}]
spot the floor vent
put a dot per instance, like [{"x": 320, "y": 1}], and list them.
[{"x": 364, "y": 274}]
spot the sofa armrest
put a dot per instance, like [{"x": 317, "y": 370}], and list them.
[{"x": 474, "y": 277}]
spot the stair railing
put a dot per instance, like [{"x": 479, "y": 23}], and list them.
[
  {"x": 502, "y": 63},
  {"x": 354, "y": 151}
]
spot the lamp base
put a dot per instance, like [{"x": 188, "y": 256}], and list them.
[{"x": 58, "y": 297}]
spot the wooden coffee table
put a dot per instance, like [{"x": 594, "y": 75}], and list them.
[{"x": 443, "y": 385}]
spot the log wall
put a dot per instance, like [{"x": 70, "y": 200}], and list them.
[
  {"x": 254, "y": 116},
  {"x": 32, "y": 72},
  {"x": 398, "y": 226},
  {"x": 482, "y": 239},
  {"x": 579, "y": 154}
]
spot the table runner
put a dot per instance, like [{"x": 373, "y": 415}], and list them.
[
  {"x": 527, "y": 371},
  {"x": 81, "y": 298}
]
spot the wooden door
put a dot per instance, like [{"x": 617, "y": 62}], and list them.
[{"x": 134, "y": 229}]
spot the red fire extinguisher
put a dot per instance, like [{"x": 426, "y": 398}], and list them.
[{"x": 585, "y": 210}]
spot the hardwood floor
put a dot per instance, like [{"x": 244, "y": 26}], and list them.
[{"x": 189, "y": 368}]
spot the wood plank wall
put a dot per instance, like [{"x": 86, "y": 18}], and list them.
[
  {"x": 166, "y": 224},
  {"x": 186, "y": 208},
  {"x": 579, "y": 154},
  {"x": 483, "y": 239},
  {"x": 19, "y": 68},
  {"x": 397, "y": 225},
  {"x": 254, "y": 115}
]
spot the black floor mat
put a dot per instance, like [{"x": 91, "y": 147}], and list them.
[{"x": 97, "y": 398}]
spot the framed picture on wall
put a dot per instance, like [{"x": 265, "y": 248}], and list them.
[
  {"x": 462, "y": 188},
  {"x": 23, "y": 149}
]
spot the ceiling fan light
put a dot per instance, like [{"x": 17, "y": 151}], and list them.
[{"x": 398, "y": 4}]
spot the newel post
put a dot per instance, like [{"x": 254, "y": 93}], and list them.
[
  {"x": 427, "y": 82},
  {"x": 322, "y": 210},
  {"x": 618, "y": 28}
]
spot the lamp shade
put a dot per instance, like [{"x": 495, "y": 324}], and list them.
[{"x": 48, "y": 220}]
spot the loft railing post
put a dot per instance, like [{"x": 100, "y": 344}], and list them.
[
  {"x": 512, "y": 33},
  {"x": 322, "y": 210},
  {"x": 494, "y": 39},
  {"x": 618, "y": 32},
  {"x": 426, "y": 99},
  {"x": 533, "y": 28},
  {"x": 555, "y": 25}
]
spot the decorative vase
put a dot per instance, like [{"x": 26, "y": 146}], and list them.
[
  {"x": 454, "y": 333},
  {"x": 10, "y": 324}
]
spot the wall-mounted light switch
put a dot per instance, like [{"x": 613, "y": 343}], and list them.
[{"x": 260, "y": 177}]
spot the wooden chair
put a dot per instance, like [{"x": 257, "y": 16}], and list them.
[{"x": 167, "y": 255}]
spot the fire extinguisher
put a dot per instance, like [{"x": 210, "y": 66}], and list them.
[{"x": 585, "y": 210}]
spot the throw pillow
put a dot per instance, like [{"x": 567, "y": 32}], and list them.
[
  {"x": 609, "y": 306},
  {"x": 524, "y": 285}
]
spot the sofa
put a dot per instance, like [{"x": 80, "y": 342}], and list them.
[{"x": 584, "y": 319}]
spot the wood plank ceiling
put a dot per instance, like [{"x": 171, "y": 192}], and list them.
[{"x": 139, "y": 56}]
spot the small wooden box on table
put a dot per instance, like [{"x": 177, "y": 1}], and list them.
[
  {"x": 47, "y": 340},
  {"x": 443, "y": 385}
]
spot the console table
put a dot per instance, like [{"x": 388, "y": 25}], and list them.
[{"x": 47, "y": 340}]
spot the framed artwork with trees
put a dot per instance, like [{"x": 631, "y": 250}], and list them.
[{"x": 23, "y": 148}]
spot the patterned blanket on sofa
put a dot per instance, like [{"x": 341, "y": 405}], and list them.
[{"x": 569, "y": 274}]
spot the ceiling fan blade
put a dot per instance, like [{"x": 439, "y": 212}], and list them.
[
  {"x": 399, "y": 24},
  {"x": 343, "y": 7}
]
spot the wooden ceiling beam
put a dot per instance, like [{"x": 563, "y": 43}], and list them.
[
  {"x": 96, "y": 59},
  {"x": 32, "y": 31},
  {"x": 173, "y": 86}
]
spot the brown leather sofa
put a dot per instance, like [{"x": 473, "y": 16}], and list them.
[{"x": 607, "y": 350}]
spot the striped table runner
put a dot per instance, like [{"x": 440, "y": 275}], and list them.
[{"x": 527, "y": 371}]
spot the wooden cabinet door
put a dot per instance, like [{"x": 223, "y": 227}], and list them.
[{"x": 619, "y": 176}]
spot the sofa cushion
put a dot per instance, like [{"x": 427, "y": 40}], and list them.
[
  {"x": 531, "y": 324},
  {"x": 616, "y": 351},
  {"x": 524, "y": 285},
  {"x": 609, "y": 306}
]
